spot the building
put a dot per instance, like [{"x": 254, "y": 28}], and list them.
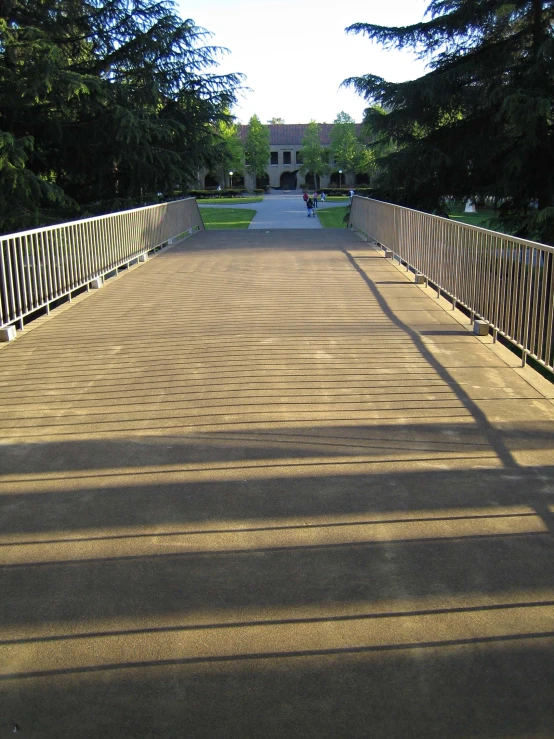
[{"x": 285, "y": 142}]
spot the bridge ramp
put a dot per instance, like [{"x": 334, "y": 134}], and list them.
[{"x": 264, "y": 485}]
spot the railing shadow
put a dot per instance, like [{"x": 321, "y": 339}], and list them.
[{"x": 191, "y": 570}]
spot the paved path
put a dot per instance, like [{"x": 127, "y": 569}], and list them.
[
  {"x": 262, "y": 486},
  {"x": 280, "y": 210}
]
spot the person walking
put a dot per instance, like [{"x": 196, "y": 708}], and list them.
[
  {"x": 315, "y": 196},
  {"x": 310, "y": 206},
  {"x": 305, "y": 197}
]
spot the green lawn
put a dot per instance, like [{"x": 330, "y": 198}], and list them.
[
  {"x": 337, "y": 199},
  {"x": 228, "y": 201},
  {"x": 472, "y": 219},
  {"x": 333, "y": 217},
  {"x": 225, "y": 218}
]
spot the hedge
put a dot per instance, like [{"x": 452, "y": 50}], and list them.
[
  {"x": 224, "y": 193},
  {"x": 365, "y": 192}
]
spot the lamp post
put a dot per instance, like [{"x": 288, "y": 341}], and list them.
[
  {"x": 231, "y": 176},
  {"x": 340, "y": 175}
]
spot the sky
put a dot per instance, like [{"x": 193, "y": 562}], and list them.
[{"x": 295, "y": 53}]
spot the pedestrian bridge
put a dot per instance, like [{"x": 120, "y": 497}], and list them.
[{"x": 272, "y": 483}]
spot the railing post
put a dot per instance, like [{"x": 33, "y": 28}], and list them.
[
  {"x": 40, "y": 266},
  {"x": 503, "y": 280}
]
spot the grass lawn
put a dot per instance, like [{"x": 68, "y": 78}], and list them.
[
  {"x": 228, "y": 201},
  {"x": 337, "y": 199},
  {"x": 472, "y": 219},
  {"x": 224, "y": 218},
  {"x": 333, "y": 217}
]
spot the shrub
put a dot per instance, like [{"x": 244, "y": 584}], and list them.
[
  {"x": 226, "y": 193},
  {"x": 365, "y": 192}
]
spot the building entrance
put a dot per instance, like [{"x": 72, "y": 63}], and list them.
[{"x": 288, "y": 180}]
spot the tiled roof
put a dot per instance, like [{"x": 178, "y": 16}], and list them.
[{"x": 291, "y": 134}]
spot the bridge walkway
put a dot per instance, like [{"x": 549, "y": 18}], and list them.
[{"x": 264, "y": 485}]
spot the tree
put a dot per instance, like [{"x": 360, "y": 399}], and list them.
[
  {"x": 314, "y": 154},
  {"x": 276, "y": 121},
  {"x": 365, "y": 161},
  {"x": 344, "y": 143},
  {"x": 21, "y": 191},
  {"x": 107, "y": 102},
  {"x": 256, "y": 148},
  {"x": 227, "y": 153},
  {"x": 480, "y": 122}
]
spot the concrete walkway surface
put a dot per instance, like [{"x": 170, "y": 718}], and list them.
[
  {"x": 279, "y": 210},
  {"x": 265, "y": 486},
  {"x": 283, "y": 211}
]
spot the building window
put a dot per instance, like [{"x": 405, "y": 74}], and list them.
[
  {"x": 299, "y": 157},
  {"x": 274, "y": 157},
  {"x": 287, "y": 157}
]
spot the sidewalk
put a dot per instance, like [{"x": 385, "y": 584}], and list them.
[
  {"x": 279, "y": 210},
  {"x": 264, "y": 485}
]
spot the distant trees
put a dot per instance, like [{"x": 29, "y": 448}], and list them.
[
  {"x": 274, "y": 121},
  {"x": 350, "y": 152},
  {"x": 481, "y": 121},
  {"x": 256, "y": 148},
  {"x": 227, "y": 153},
  {"x": 345, "y": 146},
  {"x": 314, "y": 155},
  {"x": 101, "y": 104}
]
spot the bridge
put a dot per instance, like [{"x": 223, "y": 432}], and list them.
[{"x": 276, "y": 482}]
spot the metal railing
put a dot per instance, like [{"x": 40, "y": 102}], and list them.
[
  {"x": 41, "y": 266},
  {"x": 500, "y": 279}
]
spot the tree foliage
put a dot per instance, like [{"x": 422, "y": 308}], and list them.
[
  {"x": 344, "y": 142},
  {"x": 256, "y": 147},
  {"x": 227, "y": 151},
  {"x": 480, "y": 121},
  {"x": 350, "y": 152},
  {"x": 313, "y": 153},
  {"x": 101, "y": 103}
]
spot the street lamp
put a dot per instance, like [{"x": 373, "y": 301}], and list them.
[
  {"x": 340, "y": 173},
  {"x": 231, "y": 176}
]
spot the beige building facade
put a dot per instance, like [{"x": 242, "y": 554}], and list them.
[{"x": 283, "y": 169}]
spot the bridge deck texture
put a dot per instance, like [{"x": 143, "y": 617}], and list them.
[{"x": 265, "y": 486}]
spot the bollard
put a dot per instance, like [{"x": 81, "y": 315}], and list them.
[
  {"x": 7, "y": 333},
  {"x": 481, "y": 328}
]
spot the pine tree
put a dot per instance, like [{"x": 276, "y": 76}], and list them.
[
  {"x": 479, "y": 123},
  {"x": 108, "y": 102}
]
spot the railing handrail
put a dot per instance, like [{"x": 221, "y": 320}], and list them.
[
  {"x": 515, "y": 239},
  {"x": 505, "y": 281},
  {"x": 67, "y": 224},
  {"x": 41, "y": 265}
]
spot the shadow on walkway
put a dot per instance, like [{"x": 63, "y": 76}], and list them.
[{"x": 259, "y": 487}]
